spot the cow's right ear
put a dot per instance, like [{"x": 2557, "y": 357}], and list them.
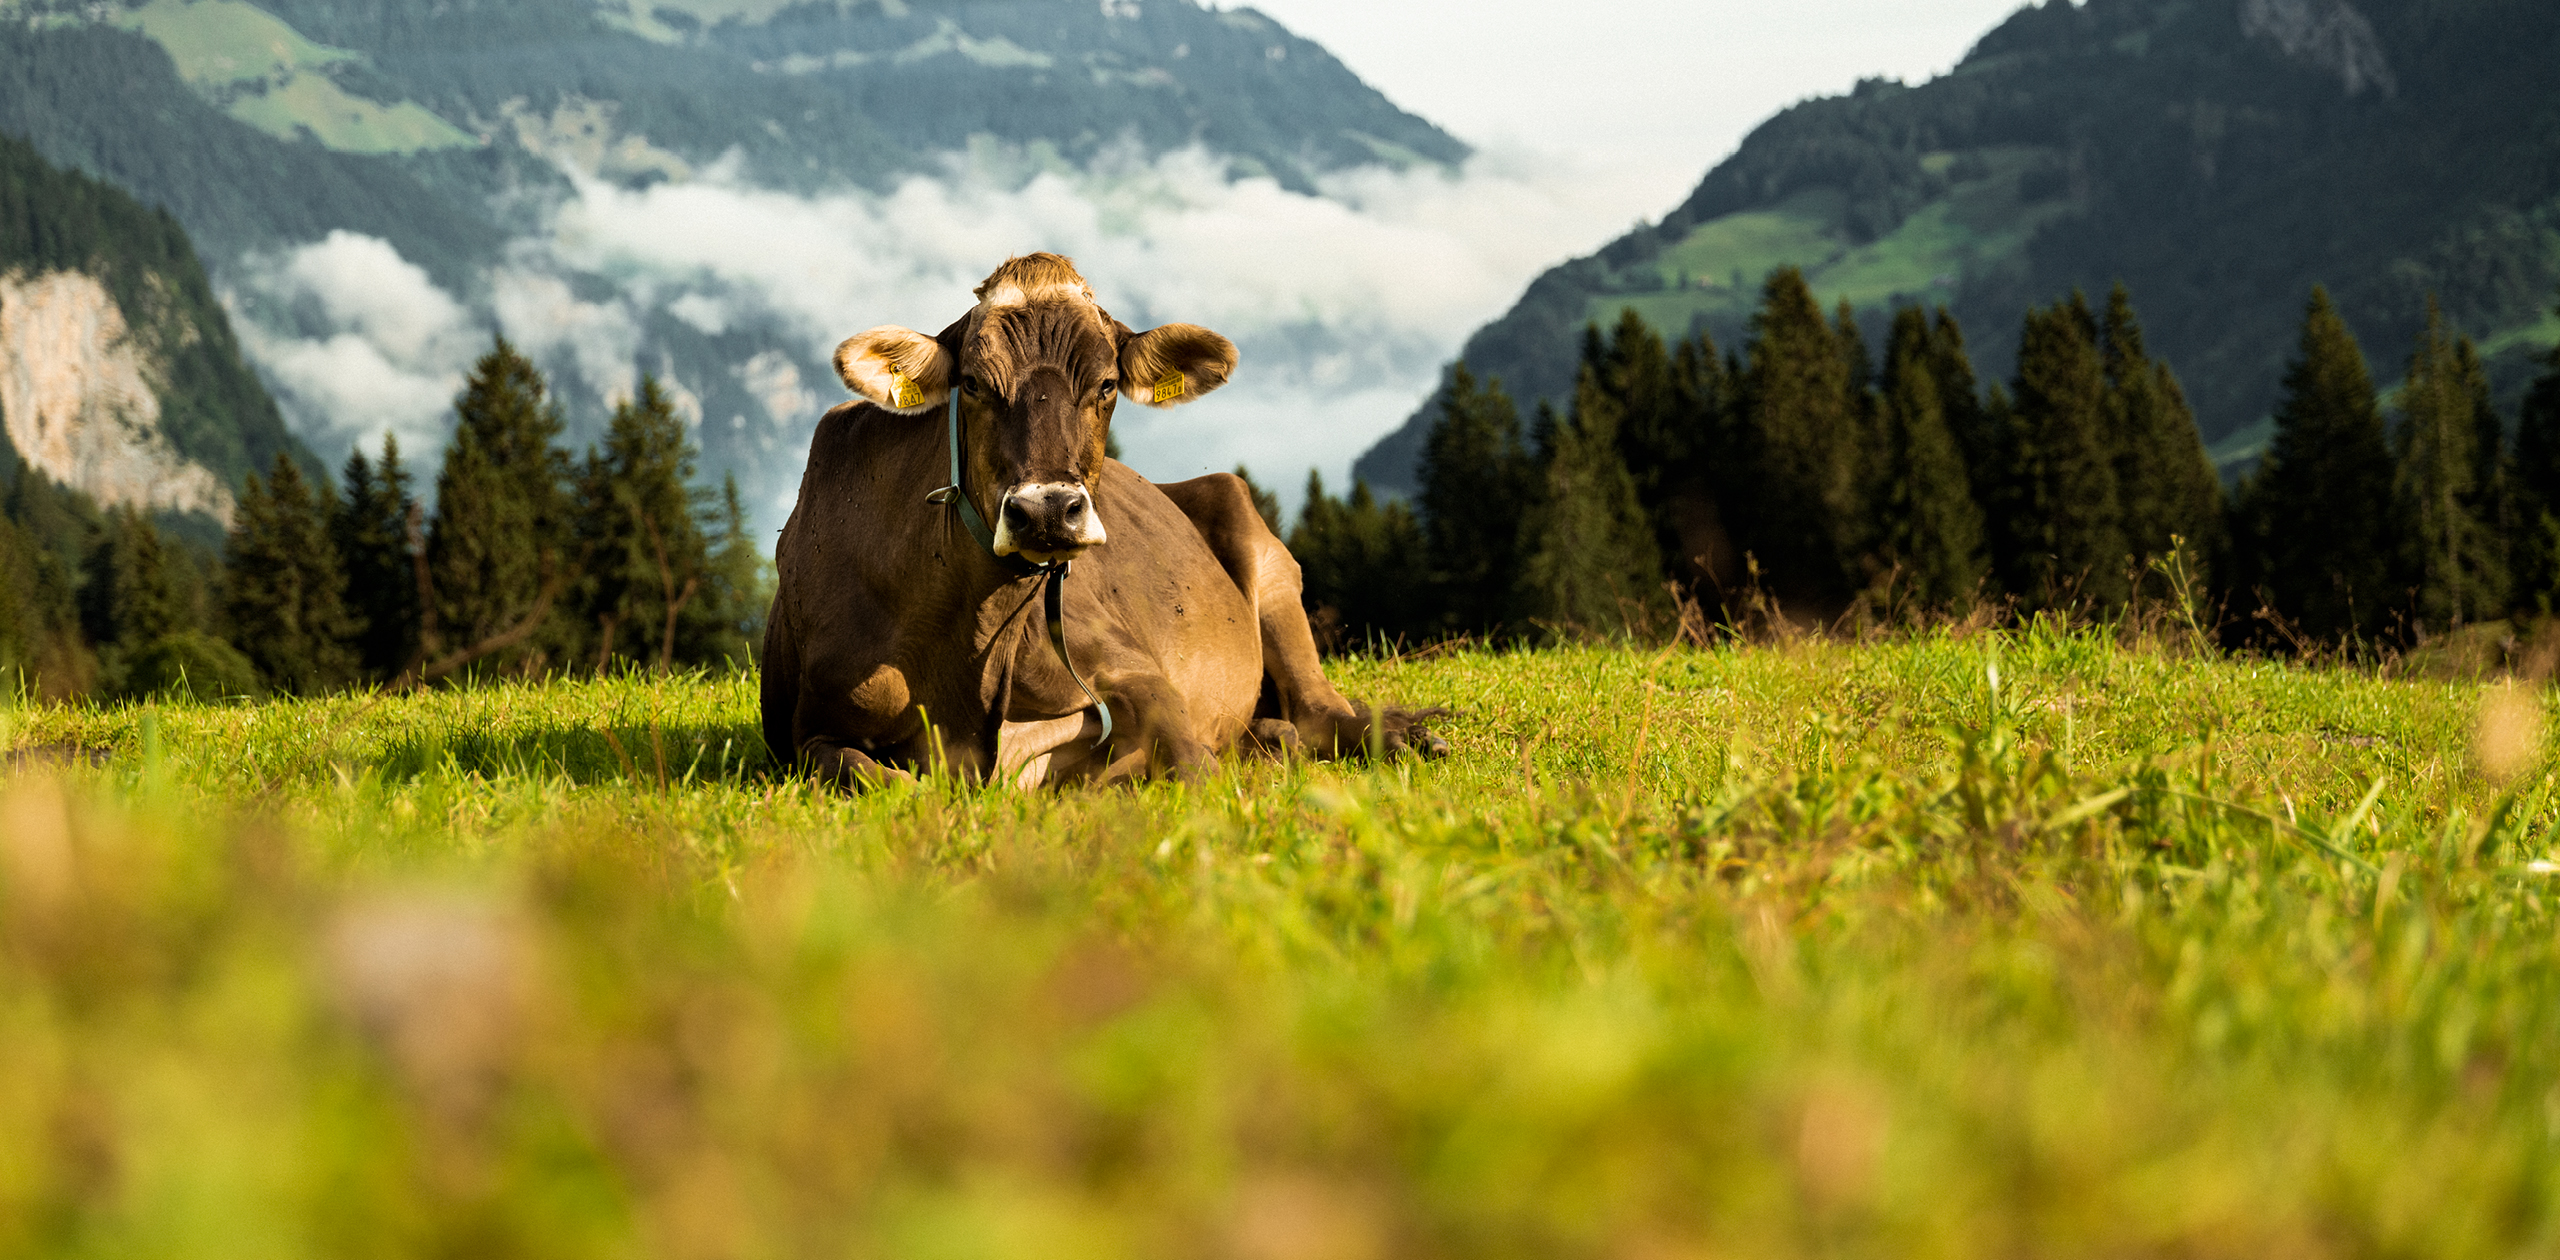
[{"x": 896, "y": 369}]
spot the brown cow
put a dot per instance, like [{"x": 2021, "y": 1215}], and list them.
[{"x": 907, "y": 636}]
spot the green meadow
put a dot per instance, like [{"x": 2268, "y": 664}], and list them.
[{"x": 2026, "y": 944}]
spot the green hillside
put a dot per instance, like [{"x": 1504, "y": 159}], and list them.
[{"x": 2213, "y": 156}]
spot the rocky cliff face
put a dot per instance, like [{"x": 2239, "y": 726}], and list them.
[
  {"x": 78, "y": 402},
  {"x": 2329, "y": 34}
]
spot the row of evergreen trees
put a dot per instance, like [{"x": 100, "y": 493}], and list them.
[
  {"x": 1805, "y": 478},
  {"x": 531, "y": 562}
]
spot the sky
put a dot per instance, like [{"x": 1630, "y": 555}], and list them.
[{"x": 1651, "y": 93}]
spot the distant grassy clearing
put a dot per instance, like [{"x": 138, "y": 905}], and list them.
[
  {"x": 268, "y": 75},
  {"x": 1768, "y": 951},
  {"x": 1981, "y": 225}
]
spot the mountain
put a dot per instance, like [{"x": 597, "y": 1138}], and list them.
[
  {"x": 2221, "y": 157},
  {"x": 379, "y": 184},
  {"x": 120, "y": 377}
]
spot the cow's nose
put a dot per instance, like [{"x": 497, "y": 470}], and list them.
[{"x": 1052, "y": 516}]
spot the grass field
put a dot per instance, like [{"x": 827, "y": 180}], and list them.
[{"x": 2023, "y": 945}]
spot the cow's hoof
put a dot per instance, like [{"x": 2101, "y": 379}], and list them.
[
  {"x": 1273, "y": 737},
  {"x": 850, "y": 769},
  {"x": 1402, "y": 730}
]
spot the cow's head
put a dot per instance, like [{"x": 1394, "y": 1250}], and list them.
[{"x": 1039, "y": 367}]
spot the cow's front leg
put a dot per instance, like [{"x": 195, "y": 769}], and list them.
[{"x": 1152, "y": 735}]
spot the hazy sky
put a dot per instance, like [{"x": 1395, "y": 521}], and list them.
[{"x": 1656, "y": 89}]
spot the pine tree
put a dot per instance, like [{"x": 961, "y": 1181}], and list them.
[
  {"x": 496, "y": 556},
  {"x": 129, "y": 597},
  {"x": 2321, "y": 507},
  {"x": 1869, "y": 474},
  {"x": 2165, "y": 483},
  {"x": 2535, "y": 535},
  {"x": 1692, "y": 519},
  {"x": 23, "y": 632},
  {"x": 2070, "y": 543},
  {"x": 1980, "y": 444},
  {"x": 640, "y": 536},
  {"x": 2454, "y": 566},
  {"x": 2004, "y": 493},
  {"x": 2492, "y": 476},
  {"x": 39, "y": 579},
  {"x": 1657, "y": 433},
  {"x": 285, "y": 589},
  {"x": 1476, "y": 479},
  {"x": 371, "y": 529},
  {"x": 741, "y": 594},
  {"x": 141, "y": 604},
  {"x": 1926, "y": 525},
  {"x": 1797, "y": 440},
  {"x": 1592, "y": 565},
  {"x": 1362, "y": 566}
]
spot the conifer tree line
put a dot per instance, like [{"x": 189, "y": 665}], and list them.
[
  {"x": 1808, "y": 477},
  {"x": 531, "y": 562}
]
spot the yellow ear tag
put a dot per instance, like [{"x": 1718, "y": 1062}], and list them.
[
  {"x": 903, "y": 392},
  {"x": 1168, "y": 388}
]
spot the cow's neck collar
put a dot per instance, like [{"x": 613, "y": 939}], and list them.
[
  {"x": 957, "y": 495},
  {"x": 1053, "y": 573}
]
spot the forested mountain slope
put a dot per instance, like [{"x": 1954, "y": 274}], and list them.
[
  {"x": 403, "y": 119},
  {"x": 2219, "y": 156},
  {"x": 455, "y": 144}
]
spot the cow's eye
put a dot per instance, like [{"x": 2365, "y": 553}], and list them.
[
  {"x": 1103, "y": 391},
  {"x": 969, "y": 385}
]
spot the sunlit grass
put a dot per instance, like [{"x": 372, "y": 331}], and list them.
[{"x": 2034, "y": 944}]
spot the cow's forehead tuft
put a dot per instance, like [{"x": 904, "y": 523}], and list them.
[{"x": 1030, "y": 278}]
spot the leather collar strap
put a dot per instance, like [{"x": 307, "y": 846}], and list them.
[{"x": 1053, "y": 574}]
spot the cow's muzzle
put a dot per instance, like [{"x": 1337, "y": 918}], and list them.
[{"x": 1046, "y": 521}]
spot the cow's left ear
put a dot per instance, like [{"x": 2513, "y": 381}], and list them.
[
  {"x": 1174, "y": 364},
  {"x": 897, "y": 369}
]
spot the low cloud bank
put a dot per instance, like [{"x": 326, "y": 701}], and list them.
[
  {"x": 1344, "y": 305},
  {"x": 355, "y": 341}
]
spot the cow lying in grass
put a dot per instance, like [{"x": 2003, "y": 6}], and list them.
[{"x": 927, "y": 617}]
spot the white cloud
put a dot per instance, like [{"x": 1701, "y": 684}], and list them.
[
  {"x": 392, "y": 358},
  {"x": 708, "y": 315},
  {"x": 774, "y": 380},
  {"x": 1344, "y": 305},
  {"x": 545, "y": 318}
]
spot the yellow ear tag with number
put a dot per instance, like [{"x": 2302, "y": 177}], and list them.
[
  {"x": 903, "y": 392},
  {"x": 1168, "y": 388}
]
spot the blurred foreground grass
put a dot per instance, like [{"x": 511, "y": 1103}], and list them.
[{"x": 2032, "y": 945}]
